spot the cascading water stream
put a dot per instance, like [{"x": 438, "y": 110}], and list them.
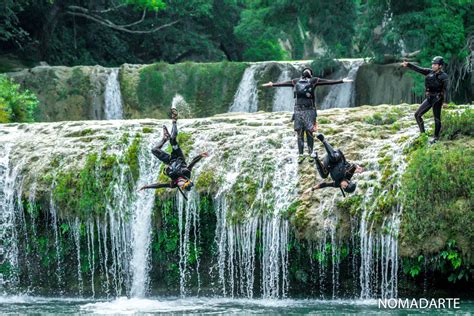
[
  {"x": 379, "y": 247},
  {"x": 283, "y": 100},
  {"x": 141, "y": 223},
  {"x": 113, "y": 107},
  {"x": 343, "y": 95},
  {"x": 110, "y": 251},
  {"x": 246, "y": 97}
]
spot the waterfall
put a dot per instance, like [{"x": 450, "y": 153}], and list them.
[
  {"x": 8, "y": 234},
  {"x": 379, "y": 245},
  {"x": 283, "y": 100},
  {"x": 254, "y": 178},
  {"x": 113, "y": 107},
  {"x": 237, "y": 242},
  {"x": 141, "y": 223},
  {"x": 246, "y": 97},
  {"x": 343, "y": 95},
  {"x": 11, "y": 184},
  {"x": 57, "y": 240}
]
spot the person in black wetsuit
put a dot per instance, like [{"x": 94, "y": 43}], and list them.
[
  {"x": 336, "y": 165},
  {"x": 305, "y": 108},
  {"x": 436, "y": 91},
  {"x": 176, "y": 168}
]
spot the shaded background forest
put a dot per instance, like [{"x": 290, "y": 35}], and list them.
[{"x": 110, "y": 33}]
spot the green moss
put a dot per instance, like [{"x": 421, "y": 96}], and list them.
[
  {"x": 438, "y": 197},
  {"x": 206, "y": 181},
  {"x": 185, "y": 141},
  {"x": 81, "y": 133},
  {"x": 385, "y": 118},
  {"x": 351, "y": 204},
  {"x": 78, "y": 82},
  {"x": 291, "y": 211},
  {"x": 208, "y": 88},
  {"x": 85, "y": 192},
  {"x": 147, "y": 130},
  {"x": 244, "y": 193},
  {"x": 456, "y": 124},
  {"x": 131, "y": 157},
  {"x": 324, "y": 120},
  {"x": 419, "y": 142},
  {"x": 277, "y": 143}
]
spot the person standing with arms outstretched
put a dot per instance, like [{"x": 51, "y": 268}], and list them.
[
  {"x": 305, "y": 107},
  {"x": 436, "y": 91}
]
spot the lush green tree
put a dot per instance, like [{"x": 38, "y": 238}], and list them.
[
  {"x": 112, "y": 32},
  {"x": 15, "y": 105}
]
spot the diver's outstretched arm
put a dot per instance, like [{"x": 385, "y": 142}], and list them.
[
  {"x": 327, "y": 185},
  {"x": 196, "y": 160},
  {"x": 155, "y": 186},
  {"x": 326, "y": 82},
  {"x": 290, "y": 83},
  {"x": 321, "y": 185},
  {"x": 418, "y": 69}
]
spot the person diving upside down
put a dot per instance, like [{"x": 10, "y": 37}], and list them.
[
  {"x": 336, "y": 165},
  {"x": 176, "y": 167},
  {"x": 436, "y": 91},
  {"x": 305, "y": 108}
]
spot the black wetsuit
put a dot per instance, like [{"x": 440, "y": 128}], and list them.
[
  {"x": 305, "y": 107},
  {"x": 436, "y": 90},
  {"x": 176, "y": 162},
  {"x": 336, "y": 165}
]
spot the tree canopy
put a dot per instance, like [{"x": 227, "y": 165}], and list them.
[{"x": 112, "y": 32}]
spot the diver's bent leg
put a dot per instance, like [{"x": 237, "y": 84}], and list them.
[
  {"x": 162, "y": 155},
  {"x": 174, "y": 134},
  {"x": 332, "y": 154}
]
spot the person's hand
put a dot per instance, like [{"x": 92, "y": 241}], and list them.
[
  {"x": 347, "y": 80},
  {"x": 268, "y": 84},
  {"x": 359, "y": 169},
  {"x": 404, "y": 64},
  {"x": 205, "y": 154},
  {"x": 315, "y": 127},
  {"x": 445, "y": 105}
]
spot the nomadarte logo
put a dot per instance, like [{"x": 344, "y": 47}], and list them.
[{"x": 421, "y": 303}]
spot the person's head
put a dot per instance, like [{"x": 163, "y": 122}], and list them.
[
  {"x": 307, "y": 72},
  {"x": 184, "y": 184},
  {"x": 348, "y": 186},
  {"x": 437, "y": 63}
]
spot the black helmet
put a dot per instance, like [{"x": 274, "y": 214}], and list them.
[
  {"x": 307, "y": 68},
  {"x": 351, "y": 187},
  {"x": 438, "y": 60}
]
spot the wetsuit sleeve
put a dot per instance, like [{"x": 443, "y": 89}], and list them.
[
  {"x": 194, "y": 161},
  {"x": 421, "y": 70},
  {"x": 325, "y": 82},
  {"x": 157, "y": 186},
  {"x": 290, "y": 83},
  {"x": 327, "y": 185}
]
